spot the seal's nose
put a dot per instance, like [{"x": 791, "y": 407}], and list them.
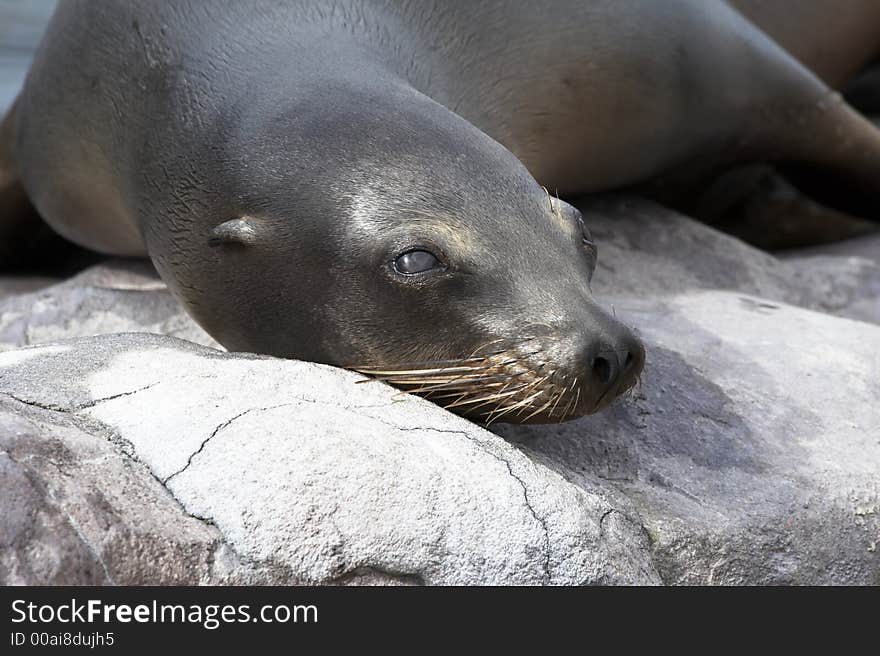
[{"x": 616, "y": 362}]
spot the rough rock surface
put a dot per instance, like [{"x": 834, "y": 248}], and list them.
[
  {"x": 149, "y": 458},
  {"x": 751, "y": 448},
  {"x": 646, "y": 250},
  {"x": 748, "y": 455},
  {"x": 845, "y": 275},
  {"x": 116, "y": 296}
]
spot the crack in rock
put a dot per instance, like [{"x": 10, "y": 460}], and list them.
[
  {"x": 214, "y": 433},
  {"x": 101, "y": 431},
  {"x": 547, "y": 574},
  {"x": 92, "y": 404},
  {"x": 37, "y": 404},
  {"x": 652, "y": 554},
  {"x": 541, "y": 521},
  {"x": 79, "y": 406},
  {"x": 604, "y": 516}
]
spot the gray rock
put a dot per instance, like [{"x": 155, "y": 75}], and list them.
[
  {"x": 752, "y": 447},
  {"x": 113, "y": 297},
  {"x": 12, "y": 285},
  {"x": 846, "y": 275},
  {"x": 867, "y": 247},
  {"x": 78, "y": 511},
  {"x": 646, "y": 250},
  {"x": 749, "y": 454},
  {"x": 296, "y": 469}
]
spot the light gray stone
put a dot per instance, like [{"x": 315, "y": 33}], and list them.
[
  {"x": 646, "y": 250},
  {"x": 318, "y": 479},
  {"x": 77, "y": 511},
  {"x": 846, "y": 275},
  {"x": 10, "y": 285},
  {"x": 749, "y": 454},
  {"x": 752, "y": 446},
  {"x": 113, "y": 297}
]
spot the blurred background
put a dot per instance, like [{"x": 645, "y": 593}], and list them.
[{"x": 21, "y": 25}]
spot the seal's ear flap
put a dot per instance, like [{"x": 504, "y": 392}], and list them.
[{"x": 235, "y": 232}]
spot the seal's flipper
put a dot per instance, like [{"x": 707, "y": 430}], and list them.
[
  {"x": 759, "y": 206},
  {"x": 837, "y": 159}
]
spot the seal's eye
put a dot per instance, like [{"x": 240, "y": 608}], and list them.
[{"x": 416, "y": 262}]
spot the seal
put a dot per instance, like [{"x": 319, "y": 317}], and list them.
[{"x": 360, "y": 183}]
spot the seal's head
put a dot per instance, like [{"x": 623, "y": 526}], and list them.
[
  {"x": 493, "y": 317},
  {"x": 410, "y": 246}
]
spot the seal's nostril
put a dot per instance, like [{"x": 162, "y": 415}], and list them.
[
  {"x": 603, "y": 369},
  {"x": 629, "y": 360}
]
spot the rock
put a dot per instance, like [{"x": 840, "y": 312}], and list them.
[
  {"x": 846, "y": 275},
  {"x": 867, "y": 247},
  {"x": 291, "y": 467},
  {"x": 77, "y": 511},
  {"x": 113, "y": 297},
  {"x": 749, "y": 454},
  {"x": 647, "y": 250},
  {"x": 12, "y": 285},
  {"x": 751, "y": 448}
]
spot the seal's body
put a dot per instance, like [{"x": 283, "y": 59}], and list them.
[{"x": 359, "y": 182}]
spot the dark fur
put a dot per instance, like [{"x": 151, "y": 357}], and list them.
[{"x": 145, "y": 125}]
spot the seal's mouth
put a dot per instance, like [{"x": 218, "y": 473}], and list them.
[{"x": 506, "y": 381}]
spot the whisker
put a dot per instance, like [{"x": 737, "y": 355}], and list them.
[
  {"x": 440, "y": 380},
  {"x": 463, "y": 383},
  {"x": 501, "y": 378},
  {"x": 536, "y": 383},
  {"x": 525, "y": 402},
  {"x": 436, "y": 371},
  {"x": 539, "y": 410},
  {"x": 472, "y": 389},
  {"x": 483, "y": 398},
  {"x": 549, "y": 200},
  {"x": 511, "y": 341},
  {"x": 568, "y": 407},
  {"x": 383, "y": 374},
  {"x": 559, "y": 397},
  {"x": 422, "y": 363},
  {"x": 500, "y": 400}
]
